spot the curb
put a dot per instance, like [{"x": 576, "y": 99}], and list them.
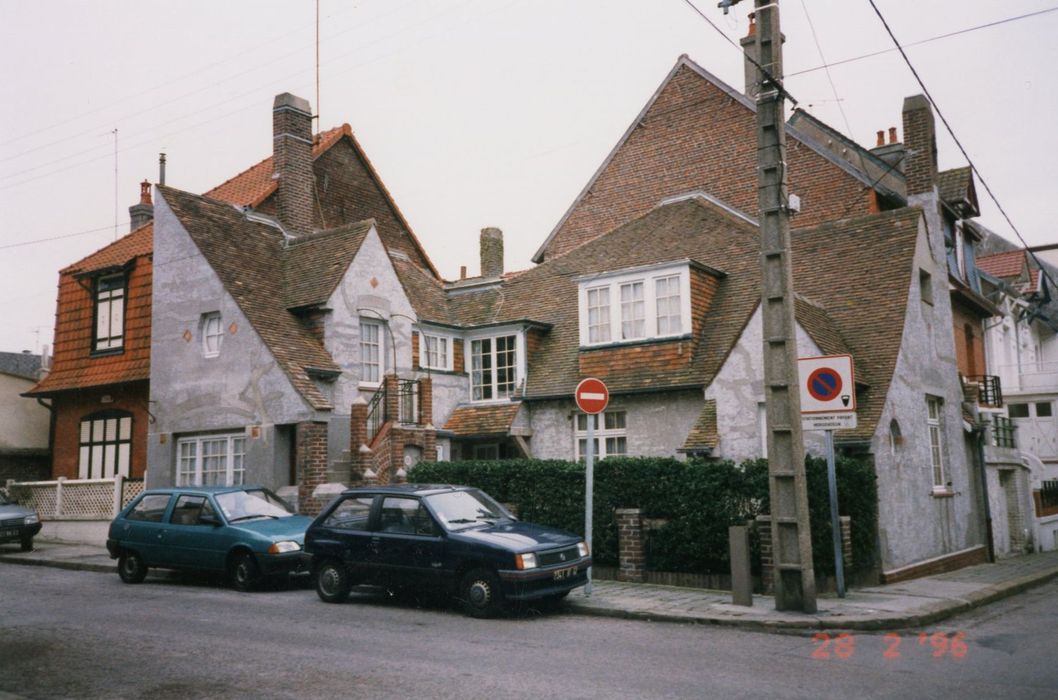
[{"x": 69, "y": 565}]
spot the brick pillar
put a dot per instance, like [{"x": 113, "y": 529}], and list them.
[
  {"x": 630, "y": 544},
  {"x": 426, "y": 401},
  {"x": 392, "y": 397},
  {"x": 358, "y": 436},
  {"x": 764, "y": 530},
  {"x": 311, "y": 464},
  {"x": 398, "y": 437},
  {"x": 846, "y": 539}
]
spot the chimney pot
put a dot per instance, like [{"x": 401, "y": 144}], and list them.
[
  {"x": 161, "y": 169},
  {"x": 892, "y": 135},
  {"x": 881, "y": 139},
  {"x": 752, "y": 31},
  {"x": 491, "y": 252},
  {"x": 292, "y": 162},
  {"x": 142, "y": 213},
  {"x": 462, "y": 272}
]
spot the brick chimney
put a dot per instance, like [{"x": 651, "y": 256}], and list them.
[
  {"x": 142, "y": 213},
  {"x": 292, "y": 162},
  {"x": 920, "y": 142},
  {"x": 491, "y": 252}
]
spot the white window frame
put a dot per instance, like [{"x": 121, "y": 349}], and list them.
[
  {"x": 937, "y": 457},
  {"x": 603, "y": 434},
  {"x": 519, "y": 361},
  {"x": 191, "y": 453},
  {"x": 591, "y": 335},
  {"x": 380, "y": 344},
  {"x": 212, "y": 330},
  {"x": 447, "y": 341},
  {"x": 597, "y": 300},
  {"x": 105, "y": 445},
  {"x": 108, "y": 330}
]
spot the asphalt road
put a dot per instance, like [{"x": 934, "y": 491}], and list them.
[{"x": 86, "y": 635}]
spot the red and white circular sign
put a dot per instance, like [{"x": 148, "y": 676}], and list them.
[{"x": 592, "y": 395}]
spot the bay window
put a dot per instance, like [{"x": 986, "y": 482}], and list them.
[{"x": 493, "y": 367}]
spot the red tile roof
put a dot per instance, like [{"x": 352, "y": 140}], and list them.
[
  {"x": 482, "y": 420},
  {"x": 1003, "y": 265}
]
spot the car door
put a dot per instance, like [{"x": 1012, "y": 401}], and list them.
[
  {"x": 192, "y": 542},
  {"x": 407, "y": 547},
  {"x": 344, "y": 534},
  {"x": 144, "y": 528}
]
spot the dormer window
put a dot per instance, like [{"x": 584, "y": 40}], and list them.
[
  {"x": 651, "y": 303},
  {"x": 109, "y": 330}
]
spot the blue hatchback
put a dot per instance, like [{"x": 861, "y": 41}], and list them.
[{"x": 246, "y": 532}]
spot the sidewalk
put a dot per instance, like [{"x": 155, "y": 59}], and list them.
[{"x": 908, "y": 604}]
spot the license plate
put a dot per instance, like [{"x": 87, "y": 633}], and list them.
[
  {"x": 563, "y": 574},
  {"x": 9, "y": 533}
]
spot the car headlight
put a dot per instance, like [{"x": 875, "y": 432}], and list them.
[
  {"x": 31, "y": 519},
  {"x": 525, "y": 561},
  {"x": 582, "y": 549},
  {"x": 284, "y": 547}
]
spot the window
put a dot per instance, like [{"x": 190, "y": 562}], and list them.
[
  {"x": 493, "y": 367},
  {"x": 611, "y": 435},
  {"x": 599, "y": 315},
  {"x": 925, "y": 286},
  {"x": 189, "y": 509},
  {"x": 211, "y": 460},
  {"x": 212, "y": 334},
  {"x": 648, "y": 305},
  {"x": 1018, "y": 410},
  {"x": 351, "y": 514},
  {"x": 487, "y": 451},
  {"x": 109, "y": 313},
  {"x": 370, "y": 352},
  {"x": 435, "y": 352},
  {"x": 1044, "y": 409},
  {"x": 935, "y": 425},
  {"x": 406, "y": 516},
  {"x": 150, "y": 508},
  {"x": 105, "y": 445},
  {"x": 633, "y": 311}
]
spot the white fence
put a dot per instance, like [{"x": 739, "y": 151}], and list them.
[{"x": 76, "y": 499}]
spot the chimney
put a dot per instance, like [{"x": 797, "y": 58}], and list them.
[
  {"x": 292, "y": 162},
  {"x": 491, "y": 252},
  {"x": 142, "y": 213},
  {"x": 749, "y": 47},
  {"x": 161, "y": 169},
  {"x": 892, "y": 152},
  {"x": 462, "y": 272},
  {"x": 881, "y": 139},
  {"x": 892, "y": 135},
  {"x": 920, "y": 142}
]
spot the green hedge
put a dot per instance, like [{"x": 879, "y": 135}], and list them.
[{"x": 699, "y": 499}]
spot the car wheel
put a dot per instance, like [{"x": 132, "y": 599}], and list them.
[
  {"x": 27, "y": 544},
  {"x": 480, "y": 593},
  {"x": 332, "y": 582},
  {"x": 243, "y": 572},
  {"x": 131, "y": 567}
]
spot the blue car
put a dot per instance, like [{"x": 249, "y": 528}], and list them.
[
  {"x": 246, "y": 532},
  {"x": 449, "y": 539}
]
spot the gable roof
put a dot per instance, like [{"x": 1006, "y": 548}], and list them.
[
  {"x": 313, "y": 265},
  {"x": 248, "y": 257},
  {"x": 956, "y": 188},
  {"x": 20, "y": 364},
  {"x": 686, "y": 64}
]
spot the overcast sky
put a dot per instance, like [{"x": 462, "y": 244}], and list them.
[{"x": 475, "y": 112}]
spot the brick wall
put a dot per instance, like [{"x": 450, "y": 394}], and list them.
[
  {"x": 71, "y": 407},
  {"x": 311, "y": 461},
  {"x": 656, "y": 357},
  {"x": 920, "y": 141},
  {"x": 632, "y": 555}
]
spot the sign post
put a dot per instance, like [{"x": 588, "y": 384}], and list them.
[
  {"x": 592, "y": 396},
  {"x": 828, "y": 402}
]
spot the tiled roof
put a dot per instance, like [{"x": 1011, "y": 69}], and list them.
[
  {"x": 247, "y": 257},
  {"x": 313, "y": 265},
  {"x": 819, "y": 326},
  {"x": 20, "y": 364},
  {"x": 482, "y": 420},
  {"x": 955, "y": 185},
  {"x": 703, "y": 434},
  {"x": 1003, "y": 265},
  {"x": 116, "y": 254}
]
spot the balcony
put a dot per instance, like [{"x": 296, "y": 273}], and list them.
[
  {"x": 989, "y": 389},
  {"x": 396, "y": 400},
  {"x": 1003, "y": 432},
  {"x": 1032, "y": 378}
]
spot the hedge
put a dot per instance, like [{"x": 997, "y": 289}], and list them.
[{"x": 698, "y": 499}]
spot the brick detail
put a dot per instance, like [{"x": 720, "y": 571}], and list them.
[
  {"x": 651, "y": 357},
  {"x": 311, "y": 460},
  {"x": 969, "y": 557},
  {"x": 415, "y": 350},
  {"x": 426, "y": 401},
  {"x": 920, "y": 142},
  {"x": 458, "y": 361},
  {"x": 630, "y": 541},
  {"x": 292, "y": 159},
  {"x": 358, "y": 437},
  {"x": 703, "y": 289},
  {"x": 392, "y": 398}
]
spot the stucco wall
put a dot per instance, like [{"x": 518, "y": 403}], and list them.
[{"x": 23, "y": 422}]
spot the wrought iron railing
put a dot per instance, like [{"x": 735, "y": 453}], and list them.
[
  {"x": 1003, "y": 432},
  {"x": 990, "y": 389},
  {"x": 408, "y": 401},
  {"x": 376, "y": 413},
  {"x": 1049, "y": 494},
  {"x": 407, "y": 406}
]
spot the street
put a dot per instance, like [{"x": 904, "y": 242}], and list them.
[{"x": 83, "y": 634}]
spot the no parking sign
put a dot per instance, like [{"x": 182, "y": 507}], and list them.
[{"x": 828, "y": 392}]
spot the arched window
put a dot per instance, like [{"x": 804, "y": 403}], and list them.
[{"x": 105, "y": 445}]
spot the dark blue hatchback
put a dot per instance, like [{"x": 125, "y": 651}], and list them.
[{"x": 450, "y": 539}]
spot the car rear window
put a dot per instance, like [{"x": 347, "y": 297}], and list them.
[
  {"x": 350, "y": 514},
  {"x": 151, "y": 508}
]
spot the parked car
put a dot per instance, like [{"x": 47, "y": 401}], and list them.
[
  {"x": 246, "y": 532},
  {"x": 17, "y": 523},
  {"x": 450, "y": 539}
]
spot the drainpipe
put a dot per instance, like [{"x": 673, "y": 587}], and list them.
[{"x": 979, "y": 431}]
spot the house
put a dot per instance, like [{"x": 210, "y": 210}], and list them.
[{"x": 24, "y": 423}]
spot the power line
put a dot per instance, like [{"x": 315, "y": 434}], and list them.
[
  {"x": 57, "y": 238},
  {"x": 951, "y": 132},
  {"x": 959, "y": 32}
]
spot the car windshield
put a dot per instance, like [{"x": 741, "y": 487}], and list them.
[
  {"x": 5, "y": 501},
  {"x": 247, "y": 505},
  {"x": 458, "y": 510}
]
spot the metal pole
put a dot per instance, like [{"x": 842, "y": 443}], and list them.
[
  {"x": 835, "y": 519},
  {"x": 589, "y": 485}
]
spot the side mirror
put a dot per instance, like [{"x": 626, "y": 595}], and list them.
[{"x": 209, "y": 520}]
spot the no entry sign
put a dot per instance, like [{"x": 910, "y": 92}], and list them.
[
  {"x": 592, "y": 396},
  {"x": 827, "y": 384}
]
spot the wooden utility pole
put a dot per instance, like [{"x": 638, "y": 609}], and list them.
[{"x": 792, "y": 573}]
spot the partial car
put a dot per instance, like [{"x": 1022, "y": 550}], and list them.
[
  {"x": 452, "y": 540},
  {"x": 245, "y": 532},
  {"x": 17, "y": 523}
]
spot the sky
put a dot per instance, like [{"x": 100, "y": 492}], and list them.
[{"x": 476, "y": 113}]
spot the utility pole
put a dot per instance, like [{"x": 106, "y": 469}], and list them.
[{"x": 792, "y": 572}]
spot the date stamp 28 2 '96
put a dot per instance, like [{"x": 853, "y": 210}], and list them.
[{"x": 950, "y": 645}]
